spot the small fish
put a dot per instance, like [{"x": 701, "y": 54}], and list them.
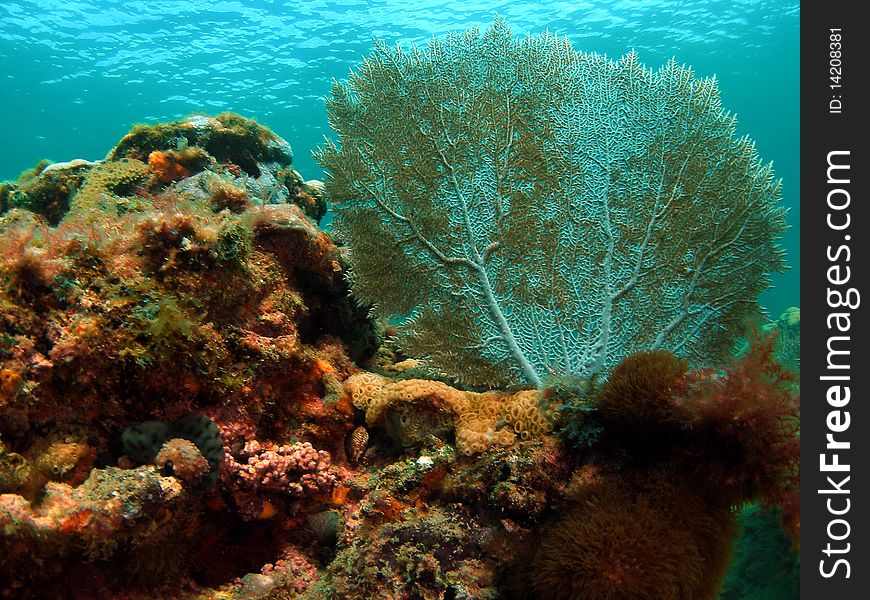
[{"x": 355, "y": 444}]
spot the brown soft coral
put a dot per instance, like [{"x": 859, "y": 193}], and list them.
[
  {"x": 29, "y": 261},
  {"x": 734, "y": 433},
  {"x": 654, "y": 541},
  {"x": 225, "y": 195},
  {"x": 639, "y": 393}
]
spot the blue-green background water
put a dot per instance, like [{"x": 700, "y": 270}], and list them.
[{"x": 76, "y": 75}]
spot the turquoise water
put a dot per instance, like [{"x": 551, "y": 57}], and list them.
[{"x": 77, "y": 75}]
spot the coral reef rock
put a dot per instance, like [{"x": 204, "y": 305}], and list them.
[{"x": 193, "y": 406}]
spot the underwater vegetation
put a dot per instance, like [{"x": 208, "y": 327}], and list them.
[
  {"x": 765, "y": 564},
  {"x": 539, "y": 208},
  {"x": 198, "y": 399}
]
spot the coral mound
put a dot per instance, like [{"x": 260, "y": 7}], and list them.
[
  {"x": 197, "y": 156},
  {"x": 152, "y": 304}
]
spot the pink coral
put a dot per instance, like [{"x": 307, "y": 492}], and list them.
[
  {"x": 297, "y": 468},
  {"x": 262, "y": 475}
]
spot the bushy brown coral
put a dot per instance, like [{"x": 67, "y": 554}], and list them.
[
  {"x": 643, "y": 543},
  {"x": 639, "y": 393},
  {"x": 226, "y": 195},
  {"x": 734, "y": 433},
  {"x": 28, "y": 261}
]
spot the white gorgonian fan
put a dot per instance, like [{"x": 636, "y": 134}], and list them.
[{"x": 534, "y": 209}]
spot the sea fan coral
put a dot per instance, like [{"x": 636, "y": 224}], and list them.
[{"x": 533, "y": 207}]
